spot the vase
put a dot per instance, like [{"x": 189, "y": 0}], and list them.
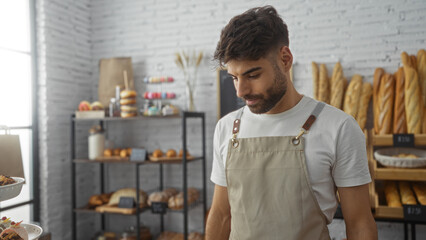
[{"x": 190, "y": 107}]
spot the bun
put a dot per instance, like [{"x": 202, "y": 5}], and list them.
[
  {"x": 123, "y": 153},
  {"x": 385, "y": 104},
  {"x": 323, "y": 87},
  {"x": 128, "y": 114},
  {"x": 157, "y": 153},
  {"x": 399, "y": 120},
  {"x": 157, "y": 197},
  {"x": 128, "y": 94},
  {"x": 392, "y": 195},
  {"x": 127, "y": 101},
  {"x": 181, "y": 153},
  {"x": 407, "y": 196},
  {"x": 108, "y": 152},
  {"x": 315, "y": 79},
  {"x": 116, "y": 152},
  {"x": 128, "y": 192},
  {"x": 353, "y": 95},
  {"x": 413, "y": 104},
  {"x": 126, "y": 108},
  {"x": 367, "y": 91},
  {"x": 171, "y": 153},
  {"x": 170, "y": 192},
  {"x": 420, "y": 190}
]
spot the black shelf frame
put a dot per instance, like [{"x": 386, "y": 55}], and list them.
[{"x": 103, "y": 164}]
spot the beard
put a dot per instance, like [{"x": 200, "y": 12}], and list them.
[{"x": 273, "y": 94}]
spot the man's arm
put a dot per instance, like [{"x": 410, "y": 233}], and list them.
[
  {"x": 356, "y": 210},
  {"x": 219, "y": 219}
]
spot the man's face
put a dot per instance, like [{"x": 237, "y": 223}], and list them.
[{"x": 261, "y": 83}]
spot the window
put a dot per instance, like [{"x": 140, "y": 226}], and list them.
[{"x": 17, "y": 105}]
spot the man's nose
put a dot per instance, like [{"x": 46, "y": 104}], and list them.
[{"x": 242, "y": 88}]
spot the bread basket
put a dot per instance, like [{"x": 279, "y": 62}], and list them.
[{"x": 386, "y": 156}]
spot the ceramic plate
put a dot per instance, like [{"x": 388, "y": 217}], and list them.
[
  {"x": 11, "y": 190},
  {"x": 34, "y": 231}
]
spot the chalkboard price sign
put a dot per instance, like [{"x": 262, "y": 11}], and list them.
[
  {"x": 159, "y": 207},
  {"x": 415, "y": 212},
  {"x": 403, "y": 140},
  {"x": 227, "y": 96},
  {"x": 126, "y": 202}
]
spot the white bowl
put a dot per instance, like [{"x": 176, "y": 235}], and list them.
[
  {"x": 11, "y": 190},
  {"x": 33, "y": 230},
  {"x": 385, "y": 157}
]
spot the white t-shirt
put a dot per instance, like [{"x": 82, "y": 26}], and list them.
[{"x": 335, "y": 149}]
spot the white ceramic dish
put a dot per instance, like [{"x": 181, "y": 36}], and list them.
[
  {"x": 11, "y": 190},
  {"x": 385, "y": 157},
  {"x": 33, "y": 230}
]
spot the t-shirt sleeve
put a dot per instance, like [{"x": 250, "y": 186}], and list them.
[
  {"x": 218, "y": 175},
  {"x": 351, "y": 166}
]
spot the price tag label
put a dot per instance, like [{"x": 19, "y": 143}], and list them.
[
  {"x": 159, "y": 207},
  {"x": 415, "y": 212},
  {"x": 403, "y": 140},
  {"x": 138, "y": 154},
  {"x": 126, "y": 202}
]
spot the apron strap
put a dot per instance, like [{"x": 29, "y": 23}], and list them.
[
  {"x": 237, "y": 121},
  {"x": 311, "y": 119}
]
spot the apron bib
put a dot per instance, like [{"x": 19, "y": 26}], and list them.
[{"x": 269, "y": 189}]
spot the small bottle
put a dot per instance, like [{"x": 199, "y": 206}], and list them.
[{"x": 96, "y": 142}]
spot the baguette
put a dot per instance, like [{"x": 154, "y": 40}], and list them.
[
  {"x": 420, "y": 190},
  {"x": 337, "y": 70},
  {"x": 392, "y": 195},
  {"x": 399, "y": 120},
  {"x": 324, "y": 88},
  {"x": 421, "y": 71},
  {"x": 407, "y": 196},
  {"x": 378, "y": 73},
  {"x": 413, "y": 60},
  {"x": 385, "y": 104},
  {"x": 315, "y": 79},
  {"x": 413, "y": 104},
  {"x": 367, "y": 91},
  {"x": 337, "y": 89},
  {"x": 353, "y": 95}
]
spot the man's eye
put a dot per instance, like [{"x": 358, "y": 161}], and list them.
[
  {"x": 254, "y": 76},
  {"x": 234, "y": 79}
]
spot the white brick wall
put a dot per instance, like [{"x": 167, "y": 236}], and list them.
[{"x": 74, "y": 35}]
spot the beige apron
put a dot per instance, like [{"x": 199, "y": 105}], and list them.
[{"x": 269, "y": 190}]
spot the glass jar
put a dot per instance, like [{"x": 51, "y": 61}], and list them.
[{"x": 96, "y": 142}]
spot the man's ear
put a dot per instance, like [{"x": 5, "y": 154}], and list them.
[{"x": 286, "y": 58}]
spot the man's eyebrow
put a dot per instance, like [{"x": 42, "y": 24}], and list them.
[{"x": 248, "y": 71}]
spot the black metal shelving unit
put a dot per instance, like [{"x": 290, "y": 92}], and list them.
[{"x": 104, "y": 164}]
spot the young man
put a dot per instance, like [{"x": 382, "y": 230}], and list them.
[{"x": 274, "y": 179}]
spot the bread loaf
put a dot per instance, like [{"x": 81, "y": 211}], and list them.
[
  {"x": 128, "y": 192},
  {"x": 315, "y": 79},
  {"x": 324, "y": 91},
  {"x": 353, "y": 95},
  {"x": 385, "y": 104},
  {"x": 407, "y": 196},
  {"x": 413, "y": 103},
  {"x": 421, "y": 71},
  {"x": 157, "y": 197},
  {"x": 392, "y": 195},
  {"x": 420, "y": 190},
  {"x": 337, "y": 70},
  {"x": 399, "y": 119},
  {"x": 413, "y": 60},
  {"x": 337, "y": 90},
  {"x": 378, "y": 73},
  {"x": 367, "y": 91}
]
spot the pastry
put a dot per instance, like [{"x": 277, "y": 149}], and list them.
[
  {"x": 385, "y": 104},
  {"x": 323, "y": 86},
  {"x": 392, "y": 195},
  {"x": 170, "y": 192},
  {"x": 181, "y": 153},
  {"x": 337, "y": 87},
  {"x": 353, "y": 95},
  {"x": 413, "y": 103},
  {"x": 123, "y": 153},
  {"x": 420, "y": 190},
  {"x": 116, "y": 152},
  {"x": 157, "y": 197},
  {"x": 14, "y": 231},
  {"x": 171, "y": 153},
  {"x": 6, "y": 180},
  {"x": 378, "y": 73},
  {"x": 399, "y": 120},
  {"x": 157, "y": 153},
  {"x": 367, "y": 91},
  {"x": 128, "y": 192},
  {"x": 315, "y": 79},
  {"x": 99, "y": 199},
  {"x": 407, "y": 196},
  {"x": 107, "y": 152}
]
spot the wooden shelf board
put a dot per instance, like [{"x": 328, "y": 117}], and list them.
[
  {"x": 387, "y": 140},
  {"x": 135, "y": 162},
  {"x": 409, "y": 174}
]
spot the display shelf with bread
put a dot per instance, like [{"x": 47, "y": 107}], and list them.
[{"x": 106, "y": 203}]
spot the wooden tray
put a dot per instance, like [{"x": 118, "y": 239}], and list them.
[
  {"x": 112, "y": 158},
  {"x": 115, "y": 209},
  {"x": 383, "y": 211},
  {"x": 165, "y": 159}
]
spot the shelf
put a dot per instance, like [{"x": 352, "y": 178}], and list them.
[
  {"x": 387, "y": 140},
  {"x": 90, "y": 210},
  {"x": 136, "y": 162},
  {"x": 125, "y": 119}
]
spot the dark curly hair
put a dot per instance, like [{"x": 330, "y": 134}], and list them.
[{"x": 251, "y": 35}]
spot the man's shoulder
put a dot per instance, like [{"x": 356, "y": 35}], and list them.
[{"x": 228, "y": 119}]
